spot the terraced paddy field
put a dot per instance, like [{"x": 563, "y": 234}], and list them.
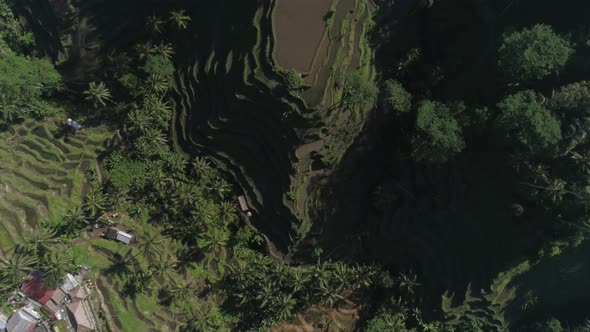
[
  {"x": 299, "y": 28},
  {"x": 124, "y": 311},
  {"x": 230, "y": 103},
  {"x": 42, "y": 174},
  {"x": 232, "y": 107},
  {"x": 322, "y": 40}
]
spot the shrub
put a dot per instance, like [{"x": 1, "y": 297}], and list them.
[
  {"x": 158, "y": 65},
  {"x": 126, "y": 173},
  {"x": 396, "y": 97},
  {"x": 291, "y": 78},
  {"x": 358, "y": 90}
]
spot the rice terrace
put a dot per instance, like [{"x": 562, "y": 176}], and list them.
[{"x": 294, "y": 165}]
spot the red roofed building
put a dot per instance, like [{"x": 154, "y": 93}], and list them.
[{"x": 35, "y": 289}]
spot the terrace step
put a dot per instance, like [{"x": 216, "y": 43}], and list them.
[{"x": 40, "y": 175}]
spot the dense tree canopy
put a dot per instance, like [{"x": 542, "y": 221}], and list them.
[
  {"x": 439, "y": 134},
  {"x": 573, "y": 97},
  {"x": 358, "y": 90},
  {"x": 526, "y": 121},
  {"x": 24, "y": 82},
  {"x": 531, "y": 54}
]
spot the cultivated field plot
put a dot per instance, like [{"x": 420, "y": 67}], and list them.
[
  {"x": 322, "y": 40},
  {"x": 41, "y": 176},
  {"x": 125, "y": 310},
  {"x": 299, "y": 28}
]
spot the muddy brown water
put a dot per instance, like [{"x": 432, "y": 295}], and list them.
[{"x": 298, "y": 27}]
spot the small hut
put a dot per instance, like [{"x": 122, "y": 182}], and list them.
[
  {"x": 74, "y": 124},
  {"x": 244, "y": 205},
  {"x": 117, "y": 235}
]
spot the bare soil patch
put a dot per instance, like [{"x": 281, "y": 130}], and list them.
[{"x": 298, "y": 28}]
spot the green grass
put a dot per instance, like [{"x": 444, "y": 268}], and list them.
[
  {"x": 112, "y": 246},
  {"x": 84, "y": 255},
  {"x": 148, "y": 304}
]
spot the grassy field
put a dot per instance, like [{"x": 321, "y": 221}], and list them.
[{"x": 42, "y": 174}]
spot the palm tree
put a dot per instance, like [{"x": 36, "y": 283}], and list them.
[
  {"x": 118, "y": 198},
  {"x": 182, "y": 291},
  {"x": 177, "y": 164},
  {"x": 227, "y": 212},
  {"x": 180, "y": 19},
  {"x": 299, "y": 279},
  {"x": 583, "y": 161},
  {"x": 165, "y": 265},
  {"x": 151, "y": 244},
  {"x": 160, "y": 109},
  {"x": 362, "y": 275},
  {"x": 39, "y": 241},
  {"x": 187, "y": 257},
  {"x": 220, "y": 187},
  {"x": 266, "y": 294},
  {"x": 198, "y": 317},
  {"x": 121, "y": 264},
  {"x": 328, "y": 294},
  {"x": 189, "y": 194},
  {"x": 164, "y": 49},
  {"x": 154, "y": 24},
  {"x": 284, "y": 304},
  {"x": 213, "y": 240},
  {"x": 57, "y": 263},
  {"x": 201, "y": 167},
  {"x": 139, "y": 121},
  {"x": 76, "y": 219},
  {"x": 10, "y": 111},
  {"x": 98, "y": 94},
  {"x": 16, "y": 267},
  {"x": 342, "y": 275},
  {"x": 95, "y": 202},
  {"x": 139, "y": 282},
  {"x": 158, "y": 84},
  {"x": 320, "y": 273},
  {"x": 154, "y": 135},
  {"x": 408, "y": 282},
  {"x": 143, "y": 50}
]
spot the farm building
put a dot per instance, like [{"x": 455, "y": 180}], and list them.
[
  {"x": 35, "y": 289},
  {"x": 54, "y": 304},
  {"x": 25, "y": 320},
  {"x": 117, "y": 235},
  {"x": 81, "y": 314},
  {"x": 70, "y": 282}
]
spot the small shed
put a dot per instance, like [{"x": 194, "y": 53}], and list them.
[
  {"x": 74, "y": 124},
  {"x": 111, "y": 233},
  {"x": 70, "y": 282},
  {"x": 117, "y": 235},
  {"x": 124, "y": 237},
  {"x": 243, "y": 203}
]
